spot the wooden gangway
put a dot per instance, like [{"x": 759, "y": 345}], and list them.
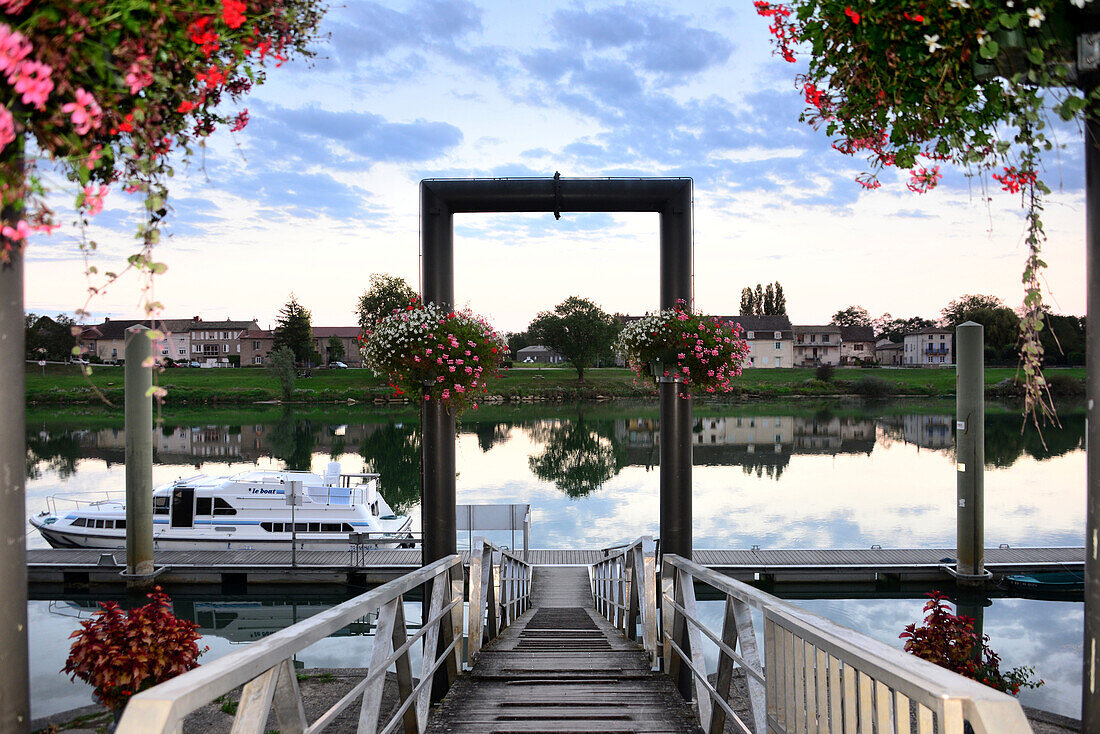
[
  {"x": 562, "y": 667},
  {"x": 550, "y": 652}
]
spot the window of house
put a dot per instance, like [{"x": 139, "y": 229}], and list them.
[
  {"x": 164, "y": 352},
  {"x": 255, "y": 345},
  {"x": 941, "y": 359},
  {"x": 777, "y": 361},
  {"x": 779, "y": 335},
  {"x": 183, "y": 352},
  {"x": 858, "y": 347},
  {"x": 801, "y": 338},
  {"x": 765, "y": 360},
  {"x": 825, "y": 337},
  {"x": 930, "y": 360},
  {"x": 813, "y": 337},
  {"x": 778, "y": 345},
  {"x": 748, "y": 335},
  {"x": 225, "y": 348},
  {"x": 752, "y": 360}
]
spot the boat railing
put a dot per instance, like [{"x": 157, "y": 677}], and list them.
[
  {"x": 500, "y": 591},
  {"x": 266, "y": 667},
  {"x": 54, "y": 501},
  {"x": 815, "y": 674},
  {"x": 361, "y": 545}
]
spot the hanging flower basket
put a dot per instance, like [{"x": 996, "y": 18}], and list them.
[
  {"x": 676, "y": 345},
  {"x": 430, "y": 352}
]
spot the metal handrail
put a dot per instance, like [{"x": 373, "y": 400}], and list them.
[
  {"x": 817, "y": 675},
  {"x": 266, "y": 668},
  {"x": 624, "y": 591},
  {"x": 500, "y": 591}
]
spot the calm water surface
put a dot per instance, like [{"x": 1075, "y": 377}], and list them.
[{"x": 790, "y": 475}]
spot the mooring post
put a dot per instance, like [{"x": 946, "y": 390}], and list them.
[
  {"x": 139, "y": 457},
  {"x": 970, "y": 453},
  {"x": 15, "y": 715}
]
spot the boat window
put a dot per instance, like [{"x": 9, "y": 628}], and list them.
[
  {"x": 330, "y": 527},
  {"x": 301, "y": 527},
  {"x": 203, "y": 505},
  {"x": 348, "y": 528},
  {"x": 266, "y": 526},
  {"x": 160, "y": 505},
  {"x": 81, "y": 522},
  {"x": 221, "y": 507},
  {"x": 120, "y": 524},
  {"x": 315, "y": 527},
  {"x": 99, "y": 523}
]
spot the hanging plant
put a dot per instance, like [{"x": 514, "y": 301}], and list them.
[
  {"x": 108, "y": 90},
  {"x": 675, "y": 344},
  {"x": 916, "y": 84},
  {"x": 430, "y": 352}
]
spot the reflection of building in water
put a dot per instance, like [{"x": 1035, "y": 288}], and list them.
[
  {"x": 760, "y": 443},
  {"x": 929, "y": 431}
]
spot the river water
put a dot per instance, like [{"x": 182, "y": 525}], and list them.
[{"x": 797, "y": 474}]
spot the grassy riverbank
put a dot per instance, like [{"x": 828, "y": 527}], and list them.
[{"x": 62, "y": 385}]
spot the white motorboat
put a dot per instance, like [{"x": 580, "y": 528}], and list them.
[{"x": 245, "y": 511}]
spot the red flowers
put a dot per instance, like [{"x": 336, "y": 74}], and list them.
[
  {"x": 1012, "y": 179},
  {"x": 923, "y": 180},
  {"x": 852, "y": 15},
  {"x": 233, "y": 13}
]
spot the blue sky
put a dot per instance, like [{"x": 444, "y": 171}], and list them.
[{"x": 320, "y": 190}]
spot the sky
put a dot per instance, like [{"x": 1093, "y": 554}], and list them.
[{"x": 321, "y": 189}]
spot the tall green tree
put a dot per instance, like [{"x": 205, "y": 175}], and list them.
[
  {"x": 894, "y": 329},
  {"x": 386, "y": 294},
  {"x": 48, "y": 338},
  {"x": 294, "y": 330},
  {"x": 758, "y": 300},
  {"x": 748, "y": 302},
  {"x": 769, "y": 300},
  {"x": 960, "y": 309},
  {"x": 851, "y": 316},
  {"x": 780, "y": 300},
  {"x": 335, "y": 349},
  {"x": 577, "y": 328}
]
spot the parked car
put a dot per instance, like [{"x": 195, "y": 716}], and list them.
[{"x": 337, "y": 365}]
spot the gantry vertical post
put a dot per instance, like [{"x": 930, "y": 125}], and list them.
[
  {"x": 676, "y": 277},
  {"x": 1089, "y": 51},
  {"x": 139, "y": 456},
  {"x": 970, "y": 453},
  {"x": 14, "y": 659}
]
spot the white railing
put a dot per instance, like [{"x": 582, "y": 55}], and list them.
[
  {"x": 820, "y": 676},
  {"x": 624, "y": 591},
  {"x": 500, "y": 591},
  {"x": 77, "y": 501},
  {"x": 266, "y": 668}
]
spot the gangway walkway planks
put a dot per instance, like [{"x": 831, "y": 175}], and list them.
[
  {"x": 75, "y": 566},
  {"x": 562, "y": 667}
]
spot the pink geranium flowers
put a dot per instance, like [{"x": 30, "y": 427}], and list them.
[{"x": 84, "y": 111}]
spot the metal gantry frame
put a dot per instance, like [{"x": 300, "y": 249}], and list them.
[{"x": 440, "y": 200}]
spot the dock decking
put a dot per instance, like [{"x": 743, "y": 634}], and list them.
[
  {"x": 562, "y": 667},
  {"x": 238, "y": 567}
]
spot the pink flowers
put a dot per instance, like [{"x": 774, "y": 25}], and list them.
[
  {"x": 7, "y": 127},
  {"x": 922, "y": 180},
  {"x": 32, "y": 80},
  {"x": 85, "y": 112},
  {"x": 93, "y": 201},
  {"x": 139, "y": 76},
  {"x": 19, "y": 232},
  {"x": 14, "y": 47}
]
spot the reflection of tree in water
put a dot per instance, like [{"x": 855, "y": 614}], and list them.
[
  {"x": 292, "y": 441},
  {"x": 393, "y": 451},
  {"x": 579, "y": 456},
  {"x": 1005, "y": 443},
  {"x": 762, "y": 468},
  {"x": 490, "y": 433},
  {"x": 52, "y": 451}
]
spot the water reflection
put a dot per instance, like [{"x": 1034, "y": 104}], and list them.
[
  {"x": 393, "y": 451},
  {"x": 579, "y": 455}
]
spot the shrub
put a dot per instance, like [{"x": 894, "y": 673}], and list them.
[
  {"x": 873, "y": 387},
  {"x": 825, "y": 372},
  {"x": 949, "y": 640},
  {"x": 280, "y": 364},
  {"x": 121, "y": 653}
]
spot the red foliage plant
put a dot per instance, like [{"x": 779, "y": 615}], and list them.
[
  {"x": 121, "y": 653},
  {"x": 949, "y": 640}
]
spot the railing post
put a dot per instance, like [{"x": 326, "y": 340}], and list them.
[{"x": 475, "y": 625}]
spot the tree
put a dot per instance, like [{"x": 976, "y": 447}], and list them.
[
  {"x": 518, "y": 340},
  {"x": 1064, "y": 340},
  {"x": 577, "y": 328},
  {"x": 48, "y": 338},
  {"x": 959, "y": 310},
  {"x": 769, "y": 300},
  {"x": 888, "y": 327},
  {"x": 748, "y": 303},
  {"x": 578, "y": 458},
  {"x": 335, "y": 349},
  {"x": 280, "y": 365},
  {"x": 780, "y": 300},
  {"x": 294, "y": 330},
  {"x": 852, "y": 316},
  {"x": 386, "y": 294},
  {"x": 758, "y": 300}
]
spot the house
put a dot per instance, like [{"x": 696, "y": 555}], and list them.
[
  {"x": 930, "y": 347},
  {"x": 349, "y": 339},
  {"x": 537, "y": 353},
  {"x": 218, "y": 343},
  {"x": 816, "y": 345},
  {"x": 108, "y": 340},
  {"x": 857, "y": 344},
  {"x": 256, "y": 344},
  {"x": 770, "y": 340},
  {"x": 888, "y": 353}
]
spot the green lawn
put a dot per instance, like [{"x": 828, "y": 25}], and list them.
[{"x": 249, "y": 385}]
